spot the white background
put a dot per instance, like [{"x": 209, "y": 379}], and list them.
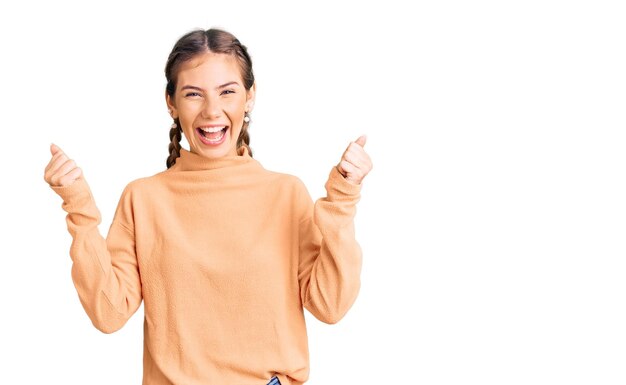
[{"x": 492, "y": 224}]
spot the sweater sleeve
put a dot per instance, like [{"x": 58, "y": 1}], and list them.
[
  {"x": 329, "y": 266},
  {"x": 104, "y": 271}
]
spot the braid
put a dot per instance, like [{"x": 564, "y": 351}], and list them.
[
  {"x": 174, "y": 147},
  {"x": 198, "y": 42},
  {"x": 244, "y": 138}
]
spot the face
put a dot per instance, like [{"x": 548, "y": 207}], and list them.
[{"x": 210, "y": 96}]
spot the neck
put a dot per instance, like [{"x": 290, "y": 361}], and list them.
[{"x": 190, "y": 161}]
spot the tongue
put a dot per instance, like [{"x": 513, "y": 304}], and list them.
[{"x": 213, "y": 135}]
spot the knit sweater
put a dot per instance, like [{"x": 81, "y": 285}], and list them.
[{"x": 225, "y": 255}]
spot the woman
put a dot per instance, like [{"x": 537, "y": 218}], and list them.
[{"x": 224, "y": 253}]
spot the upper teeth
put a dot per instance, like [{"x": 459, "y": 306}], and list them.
[{"x": 212, "y": 129}]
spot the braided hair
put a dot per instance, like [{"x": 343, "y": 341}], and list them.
[{"x": 186, "y": 48}]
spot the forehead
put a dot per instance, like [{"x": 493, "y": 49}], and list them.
[{"x": 208, "y": 70}]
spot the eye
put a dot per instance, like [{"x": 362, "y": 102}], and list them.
[
  {"x": 228, "y": 91},
  {"x": 192, "y": 93}
]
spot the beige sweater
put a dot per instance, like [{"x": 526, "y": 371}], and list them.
[{"x": 225, "y": 254}]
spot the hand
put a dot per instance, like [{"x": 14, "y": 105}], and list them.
[
  {"x": 355, "y": 163},
  {"x": 61, "y": 171}
]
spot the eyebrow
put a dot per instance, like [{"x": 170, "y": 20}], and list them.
[{"x": 200, "y": 89}]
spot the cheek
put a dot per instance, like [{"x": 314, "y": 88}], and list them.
[
  {"x": 186, "y": 117},
  {"x": 190, "y": 110},
  {"x": 235, "y": 105},
  {"x": 235, "y": 110}
]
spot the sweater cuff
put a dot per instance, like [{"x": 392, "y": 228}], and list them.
[
  {"x": 338, "y": 188},
  {"x": 75, "y": 189}
]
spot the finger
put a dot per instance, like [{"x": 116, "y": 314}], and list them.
[
  {"x": 350, "y": 147},
  {"x": 359, "y": 153},
  {"x": 350, "y": 169},
  {"x": 353, "y": 174},
  {"x": 54, "y": 148},
  {"x": 359, "y": 157},
  {"x": 356, "y": 148},
  {"x": 58, "y": 160},
  {"x": 356, "y": 159},
  {"x": 56, "y": 152},
  {"x": 71, "y": 176},
  {"x": 55, "y": 163},
  {"x": 54, "y": 160},
  {"x": 361, "y": 140},
  {"x": 341, "y": 170},
  {"x": 340, "y": 167},
  {"x": 361, "y": 169},
  {"x": 64, "y": 169}
]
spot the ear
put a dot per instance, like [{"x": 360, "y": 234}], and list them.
[
  {"x": 170, "y": 105},
  {"x": 251, "y": 93}
]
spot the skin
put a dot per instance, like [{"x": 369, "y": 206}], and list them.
[
  {"x": 61, "y": 170},
  {"x": 211, "y": 104},
  {"x": 355, "y": 163}
]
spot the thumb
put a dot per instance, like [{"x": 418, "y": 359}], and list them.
[
  {"x": 54, "y": 148},
  {"x": 361, "y": 140}
]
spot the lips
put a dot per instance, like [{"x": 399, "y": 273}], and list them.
[
  {"x": 212, "y": 127},
  {"x": 215, "y": 137},
  {"x": 212, "y": 131}
]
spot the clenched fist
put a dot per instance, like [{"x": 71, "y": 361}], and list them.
[
  {"x": 61, "y": 171},
  {"x": 355, "y": 163}
]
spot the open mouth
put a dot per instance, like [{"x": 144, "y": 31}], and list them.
[{"x": 212, "y": 137}]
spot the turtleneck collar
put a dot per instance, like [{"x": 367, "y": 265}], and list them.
[{"x": 189, "y": 161}]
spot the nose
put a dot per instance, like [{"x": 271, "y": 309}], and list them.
[{"x": 211, "y": 109}]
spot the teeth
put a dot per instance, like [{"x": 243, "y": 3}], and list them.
[
  {"x": 212, "y": 129},
  {"x": 216, "y": 139}
]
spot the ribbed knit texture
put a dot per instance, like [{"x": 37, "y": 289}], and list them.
[{"x": 225, "y": 254}]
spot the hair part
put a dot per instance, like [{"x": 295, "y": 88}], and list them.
[{"x": 190, "y": 45}]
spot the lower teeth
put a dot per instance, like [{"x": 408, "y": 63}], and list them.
[{"x": 216, "y": 139}]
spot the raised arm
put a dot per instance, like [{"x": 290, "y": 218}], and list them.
[
  {"x": 329, "y": 268},
  {"x": 104, "y": 271}
]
